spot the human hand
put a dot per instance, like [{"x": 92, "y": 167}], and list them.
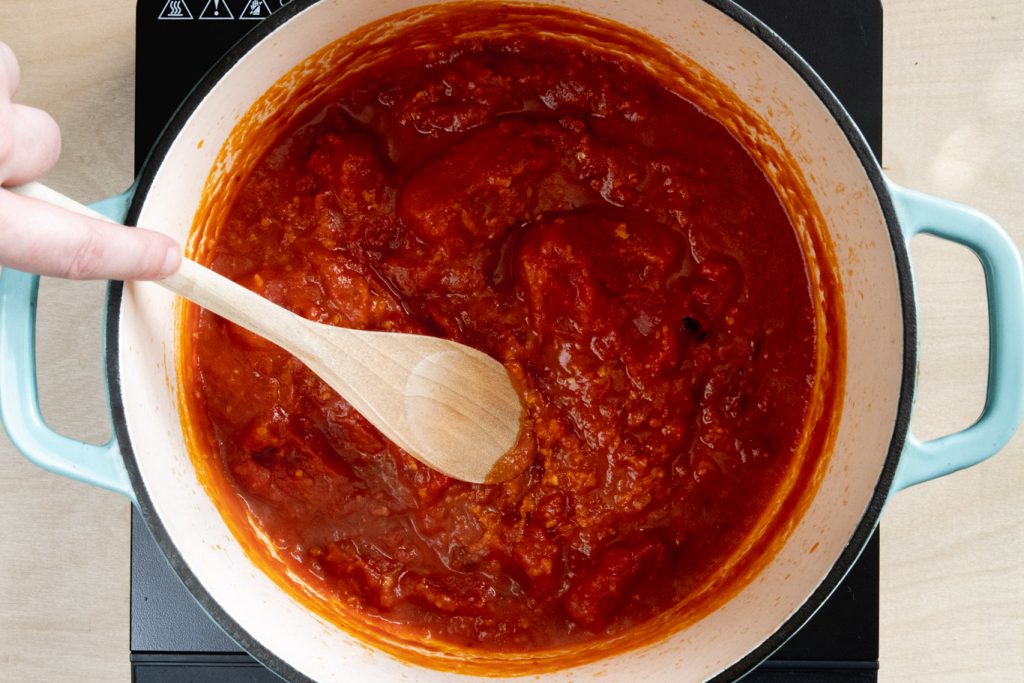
[{"x": 41, "y": 238}]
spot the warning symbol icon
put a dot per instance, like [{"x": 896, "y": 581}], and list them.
[
  {"x": 175, "y": 9},
  {"x": 256, "y": 10},
  {"x": 216, "y": 9}
]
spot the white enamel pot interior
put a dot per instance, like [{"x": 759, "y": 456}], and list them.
[{"x": 849, "y": 190}]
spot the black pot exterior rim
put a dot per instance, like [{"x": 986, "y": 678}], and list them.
[{"x": 864, "y": 529}]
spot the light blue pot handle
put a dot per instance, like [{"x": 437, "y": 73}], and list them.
[
  {"x": 19, "y": 396},
  {"x": 1004, "y": 399}
]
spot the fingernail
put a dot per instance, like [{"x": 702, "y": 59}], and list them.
[{"x": 172, "y": 261}]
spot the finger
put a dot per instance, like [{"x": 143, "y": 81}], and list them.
[
  {"x": 41, "y": 238},
  {"x": 10, "y": 72},
  {"x": 29, "y": 145}
]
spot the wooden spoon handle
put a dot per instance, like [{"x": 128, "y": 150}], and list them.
[
  {"x": 356, "y": 358},
  {"x": 233, "y": 302},
  {"x": 51, "y": 196},
  {"x": 201, "y": 285}
]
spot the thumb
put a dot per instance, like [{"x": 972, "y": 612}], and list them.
[{"x": 37, "y": 237}]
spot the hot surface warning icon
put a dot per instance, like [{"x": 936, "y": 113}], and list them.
[
  {"x": 216, "y": 9},
  {"x": 255, "y": 9},
  {"x": 175, "y": 9}
]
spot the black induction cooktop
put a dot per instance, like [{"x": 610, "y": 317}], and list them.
[{"x": 177, "y": 41}]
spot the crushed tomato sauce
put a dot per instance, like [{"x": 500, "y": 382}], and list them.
[{"x": 616, "y": 248}]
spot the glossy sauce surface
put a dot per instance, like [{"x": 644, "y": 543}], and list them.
[{"x": 566, "y": 212}]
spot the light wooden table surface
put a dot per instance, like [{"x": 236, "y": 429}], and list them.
[{"x": 952, "y": 596}]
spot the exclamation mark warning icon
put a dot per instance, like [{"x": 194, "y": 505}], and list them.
[
  {"x": 175, "y": 10},
  {"x": 256, "y": 10},
  {"x": 216, "y": 9}
]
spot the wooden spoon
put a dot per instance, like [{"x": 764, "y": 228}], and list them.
[{"x": 448, "y": 405}]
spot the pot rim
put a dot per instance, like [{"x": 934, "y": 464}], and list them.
[{"x": 862, "y": 533}]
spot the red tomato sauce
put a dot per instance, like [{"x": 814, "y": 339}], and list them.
[{"x": 565, "y": 211}]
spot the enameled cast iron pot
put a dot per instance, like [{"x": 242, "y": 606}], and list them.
[{"x": 870, "y": 224}]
